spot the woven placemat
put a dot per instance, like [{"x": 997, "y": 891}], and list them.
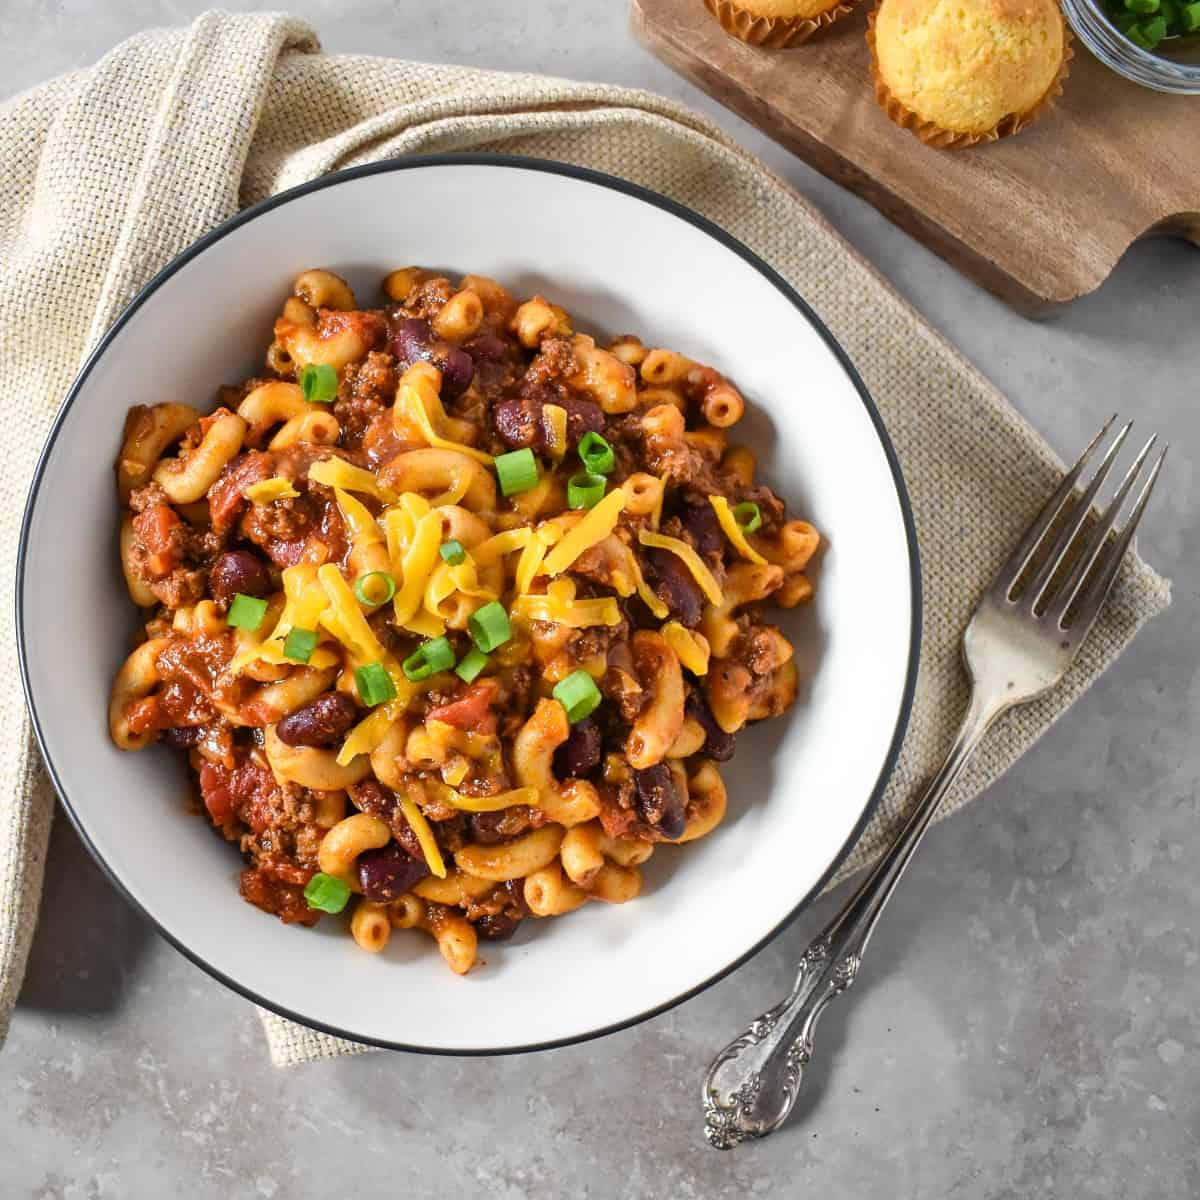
[{"x": 107, "y": 173}]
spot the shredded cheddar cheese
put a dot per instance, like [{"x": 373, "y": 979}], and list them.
[
  {"x": 416, "y": 401},
  {"x": 649, "y": 597},
  {"x": 596, "y": 525},
  {"x": 556, "y": 433},
  {"x": 368, "y": 733},
  {"x": 656, "y": 513},
  {"x": 417, "y": 566},
  {"x": 428, "y": 843},
  {"x": 267, "y": 490},
  {"x": 480, "y": 804},
  {"x": 702, "y": 575},
  {"x": 560, "y": 606},
  {"x": 338, "y": 473},
  {"x": 733, "y": 531},
  {"x": 500, "y": 544},
  {"x": 530, "y": 563},
  {"x": 363, "y": 527},
  {"x": 690, "y": 648}
]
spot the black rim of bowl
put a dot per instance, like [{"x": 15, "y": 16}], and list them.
[{"x": 600, "y": 179}]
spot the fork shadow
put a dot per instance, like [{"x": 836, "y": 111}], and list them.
[{"x": 88, "y": 940}]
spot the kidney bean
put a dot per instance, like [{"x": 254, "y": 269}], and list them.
[
  {"x": 322, "y": 722},
  {"x": 370, "y": 796},
  {"x": 678, "y": 590},
  {"x": 701, "y": 522},
  {"x": 718, "y": 744},
  {"x": 457, "y": 367},
  {"x": 488, "y": 828},
  {"x": 497, "y": 927},
  {"x": 658, "y": 800},
  {"x": 389, "y": 872},
  {"x": 580, "y": 753},
  {"x": 412, "y": 341},
  {"x": 518, "y": 422},
  {"x": 486, "y": 347},
  {"x": 238, "y": 571}
]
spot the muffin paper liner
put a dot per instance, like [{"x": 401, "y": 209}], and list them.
[
  {"x": 940, "y": 138},
  {"x": 772, "y": 32}
]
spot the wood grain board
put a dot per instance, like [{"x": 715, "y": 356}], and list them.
[{"x": 1039, "y": 219}]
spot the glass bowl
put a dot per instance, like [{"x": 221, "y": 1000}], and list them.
[{"x": 1173, "y": 67}]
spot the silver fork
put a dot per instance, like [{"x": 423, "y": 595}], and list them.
[{"x": 1022, "y": 637}]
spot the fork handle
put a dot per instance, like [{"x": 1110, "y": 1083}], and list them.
[{"x": 753, "y": 1083}]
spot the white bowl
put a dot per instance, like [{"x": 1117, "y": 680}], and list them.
[{"x": 621, "y": 260}]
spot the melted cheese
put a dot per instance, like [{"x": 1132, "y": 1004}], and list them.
[
  {"x": 556, "y": 432},
  {"x": 267, "y": 490},
  {"x": 416, "y": 568},
  {"x": 500, "y": 544},
  {"x": 560, "y": 606},
  {"x": 595, "y": 526},
  {"x": 690, "y": 648},
  {"x": 649, "y": 597},
  {"x": 417, "y": 399},
  {"x": 702, "y": 575},
  {"x": 337, "y": 473},
  {"x": 479, "y": 804},
  {"x": 368, "y": 733},
  {"x": 420, "y": 826},
  {"x": 733, "y": 531}
]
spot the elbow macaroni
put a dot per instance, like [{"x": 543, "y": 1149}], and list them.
[{"x": 470, "y": 787}]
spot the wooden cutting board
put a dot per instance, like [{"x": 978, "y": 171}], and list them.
[{"x": 1039, "y": 219}]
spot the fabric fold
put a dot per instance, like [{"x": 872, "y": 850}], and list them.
[{"x": 111, "y": 171}]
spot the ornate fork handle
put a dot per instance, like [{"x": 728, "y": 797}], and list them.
[{"x": 753, "y": 1083}]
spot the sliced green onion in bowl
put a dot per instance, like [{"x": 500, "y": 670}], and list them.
[
  {"x": 319, "y": 383},
  {"x": 517, "y": 472},
  {"x": 428, "y": 659},
  {"x": 748, "y": 516},
  {"x": 489, "y": 626},
  {"x": 327, "y": 893},
  {"x": 596, "y": 454},
  {"x": 578, "y": 694},
  {"x": 585, "y": 490},
  {"x": 299, "y": 644},
  {"x": 453, "y": 552},
  {"x": 473, "y": 663},
  {"x": 374, "y": 588},
  {"x": 374, "y": 684},
  {"x": 246, "y": 612}
]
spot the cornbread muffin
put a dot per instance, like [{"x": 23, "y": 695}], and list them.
[
  {"x": 957, "y": 72},
  {"x": 776, "y": 23}
]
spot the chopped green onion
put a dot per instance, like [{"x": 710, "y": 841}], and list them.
[
  {"x": 374, "y": 684},
  {"x": 1189, "y": 17},
  {"x": 489, "y": 626},
  {"x": 747, "y": 516},
  {"x": 578, "y": 694},
  {"x": 453, "y": 552},
  {"x": 428, "y": 659},
  {"x": 299, "y": 644},
  {"x": 319, "y": 383},
  {"x": 1154, "y": 31},
  {"x": 472, "y": 664},
  {"x": 327, "y": 892},
  {"x": 596, "y": 454},
  {"x": 517, "y": 472},
  {"x": 585, "y": 491},
  {"x": 246, "y": 612},
  {"x": 374, "y": 588}
]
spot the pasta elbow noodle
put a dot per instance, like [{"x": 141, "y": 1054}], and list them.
[
  {"x": 442, "y": 476},
  {"x": 512, "y": 859},
  {"x": 350, "y": 837},
  {"x": 569, "y": 803},
  {"x": 136, "y": 679},
  {"x": 460, "y": 317},
  {"x": 189, "y": 477},
  {"x": 706, "y": 802},
  {"x": 310, "y": 767},
  {"x": 661, "y": 722},
  {"x": 370, "y": 926},
  {"x": 319, "y": 288},
  {"x": 548, "y": 894},
  {"x": 148, "y": 432}
]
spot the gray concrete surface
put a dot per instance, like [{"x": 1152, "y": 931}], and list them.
[{"x": 1026, "y": 1025}]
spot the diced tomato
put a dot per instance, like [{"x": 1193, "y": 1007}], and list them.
[
  {"x": 216, "y": 793},
  {"x": 471, "y": 711},
  {"x": 158, "y": 529},
  {"x": 225, "y": 500}
]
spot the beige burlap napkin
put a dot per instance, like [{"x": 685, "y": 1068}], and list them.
[{"x": 107, "y": 173}]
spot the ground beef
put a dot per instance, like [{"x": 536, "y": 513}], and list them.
[
  {"x": 367, "y": 389},
  {"x": 265, "y": 890}
]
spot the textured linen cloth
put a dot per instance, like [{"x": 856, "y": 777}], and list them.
[{"x": 107, "y": 173}]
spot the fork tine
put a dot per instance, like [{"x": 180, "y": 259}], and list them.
[
  {"x": 1010, "y": 572},
  {"x": 1062, "y": 544},
  {"x": 1099, "y": 589}
]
